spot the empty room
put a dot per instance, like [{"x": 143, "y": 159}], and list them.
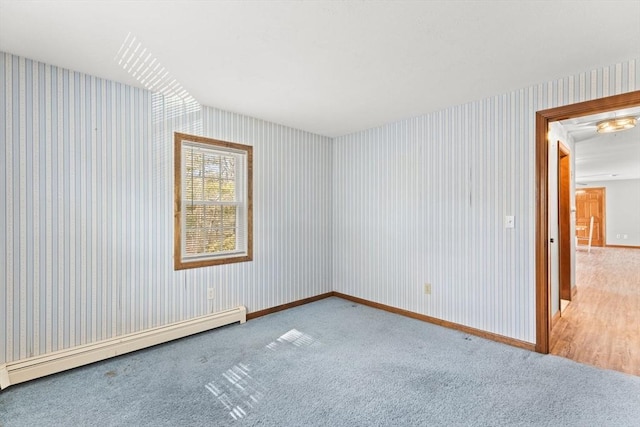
[{"x": 312, "y": 213}]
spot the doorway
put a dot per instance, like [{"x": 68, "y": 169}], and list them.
[
  {"x": 543, "y": 118},
  {"x": 590, "y": 206},
  {"x": 564, "y": 221}
]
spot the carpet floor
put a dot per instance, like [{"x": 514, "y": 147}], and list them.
[{"x": 329, "y": 363}]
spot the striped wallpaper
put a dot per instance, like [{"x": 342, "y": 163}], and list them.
[
  {"x": 86, "y": 220},
  {"x": 423, "y": 201},
  {"x": 86, "y": 184}
]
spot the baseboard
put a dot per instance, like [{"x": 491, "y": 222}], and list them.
[
  {"x": 623, "y": 246},
  {"x": 51, "y": 363},
  {"x": 28, "y": 369},
  {"x": 260, "y": 313},
  {"x": 451, "y": 325}
]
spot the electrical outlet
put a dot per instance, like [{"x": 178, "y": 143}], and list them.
[
  {"x": 617, "y": 236},
  {"x": 427, "y": 288},
  {"x": 624, "y": 236},
  {"x": 210, "y": 293}
]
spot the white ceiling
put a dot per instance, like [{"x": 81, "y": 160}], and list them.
[
  {"x": 604, "y": 157},
  {"x": 331, "y": 67}
]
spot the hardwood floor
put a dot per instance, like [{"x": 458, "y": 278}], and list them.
[{"x": 601, "y": 326}]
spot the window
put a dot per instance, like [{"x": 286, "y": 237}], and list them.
[{"x": 213, "y": 211}]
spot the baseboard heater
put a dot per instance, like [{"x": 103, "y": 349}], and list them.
[{"x": 50, "y": 363}]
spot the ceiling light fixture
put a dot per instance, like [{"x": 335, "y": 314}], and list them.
[{"x": 615, "y": 125}]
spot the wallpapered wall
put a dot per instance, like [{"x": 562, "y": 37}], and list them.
[
  {"x": 622, "y": 204},
  {"x": 86, "y": 180},
  {"x": 87, "y": 183},
  {"x": 424, "y": 200}
]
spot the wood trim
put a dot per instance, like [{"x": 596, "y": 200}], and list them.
[
  {"x": 260, "y": 313},
  {"x": 177, "y": 197},
  {"x": 445, "y": 323},
  {"x": 564, "y": 220},
  {"x": 543, "y": 118},
  {"x": 543, "y": 321},
  {"x": 603, "y": 220},
  {"x": 622, "y": 246},
  {"x": 563, "y": 149}
]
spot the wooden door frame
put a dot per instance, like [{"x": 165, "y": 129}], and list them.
[
  {"x": 564, "y": 222},
  {"x": 543, "y": 118}
]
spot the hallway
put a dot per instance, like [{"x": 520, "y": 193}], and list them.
[{"x": 601, "y": 326}]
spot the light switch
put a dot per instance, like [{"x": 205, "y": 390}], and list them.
[{"x": 509, "y": 221}]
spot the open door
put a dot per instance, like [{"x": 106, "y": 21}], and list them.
[
  {"x": 564, "y": 220},
  {"x": 590, "y": 203},
  {"x": 543, "y": 118}
]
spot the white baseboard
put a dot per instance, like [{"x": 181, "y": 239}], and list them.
[{"x": 50, "y": 363}]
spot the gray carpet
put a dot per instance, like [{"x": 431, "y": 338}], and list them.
[{"x": 329, "y": 363}]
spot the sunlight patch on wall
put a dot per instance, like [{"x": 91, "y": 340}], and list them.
[{"x": 141, "y": 64}]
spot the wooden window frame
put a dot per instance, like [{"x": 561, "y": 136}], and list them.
[{"x": 222, "y": 146}]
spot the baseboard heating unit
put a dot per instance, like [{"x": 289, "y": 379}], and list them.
[{"x": 50, "y": 363}]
